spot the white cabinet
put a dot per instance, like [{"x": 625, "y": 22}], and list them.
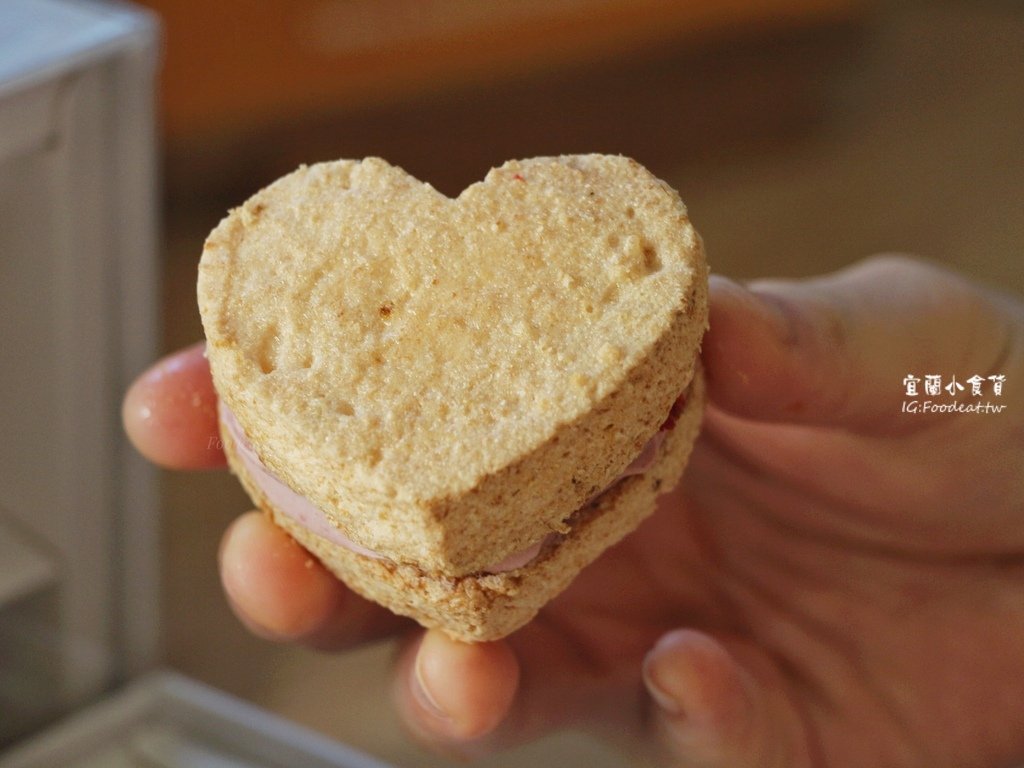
[{"x": 79, "y": 619}]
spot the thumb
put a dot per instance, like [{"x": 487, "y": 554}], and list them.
[
  {"x": 836, "y": 350},
  {"x": 709, "y": 711}
]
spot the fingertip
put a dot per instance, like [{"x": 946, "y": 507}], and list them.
[
  {"x": 276, "y": 587},
  {"x": 170, "y": 413},
  {"x": 741, "y": 332},
  {"x": 764, "y": 356},
  {"x": 459, "y": 692},
  {"x": 697, "y": 686},
  {"x": 723, "y": 705}
]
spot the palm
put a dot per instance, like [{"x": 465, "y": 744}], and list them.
[{"x": 869, "y": 623}]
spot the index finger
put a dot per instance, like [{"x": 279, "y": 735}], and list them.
[{"x": 170, "y": 412}]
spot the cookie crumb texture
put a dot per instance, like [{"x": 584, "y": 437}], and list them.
[
  {"x": 484, "y": 607},
  {"x": 449, "y": 378}
]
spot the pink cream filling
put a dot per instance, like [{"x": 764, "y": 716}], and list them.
[
  {"x": 280, "y": 496},
  {"x": 311, "y": 517}
]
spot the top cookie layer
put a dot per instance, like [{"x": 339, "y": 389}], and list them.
[{"x": 450, "y": 378}]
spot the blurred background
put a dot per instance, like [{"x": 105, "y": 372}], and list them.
[{"x": 802, "y": 134}]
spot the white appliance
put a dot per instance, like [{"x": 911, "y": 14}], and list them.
[{"x": 79, "y": 630}]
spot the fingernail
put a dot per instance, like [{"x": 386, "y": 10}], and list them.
[
  {"x": 421, "y": 690},
  {"x": 777, "y": 315},
  {"x": 656, "y": 688}
]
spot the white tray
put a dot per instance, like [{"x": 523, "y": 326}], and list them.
[{"x": 168, "y": 721}]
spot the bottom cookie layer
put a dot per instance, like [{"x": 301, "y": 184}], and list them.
[{"x": 484, "y": 607}]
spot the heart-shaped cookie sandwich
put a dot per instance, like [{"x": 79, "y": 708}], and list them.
[{"x": 457, "y": 404}]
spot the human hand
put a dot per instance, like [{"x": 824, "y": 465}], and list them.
[{"x": 834, "y": 582}]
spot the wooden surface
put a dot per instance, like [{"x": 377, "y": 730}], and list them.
[{"x": 234, "y": 63}]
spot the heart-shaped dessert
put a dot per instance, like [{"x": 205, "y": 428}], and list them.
[{"x": 458, "y": 403}]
